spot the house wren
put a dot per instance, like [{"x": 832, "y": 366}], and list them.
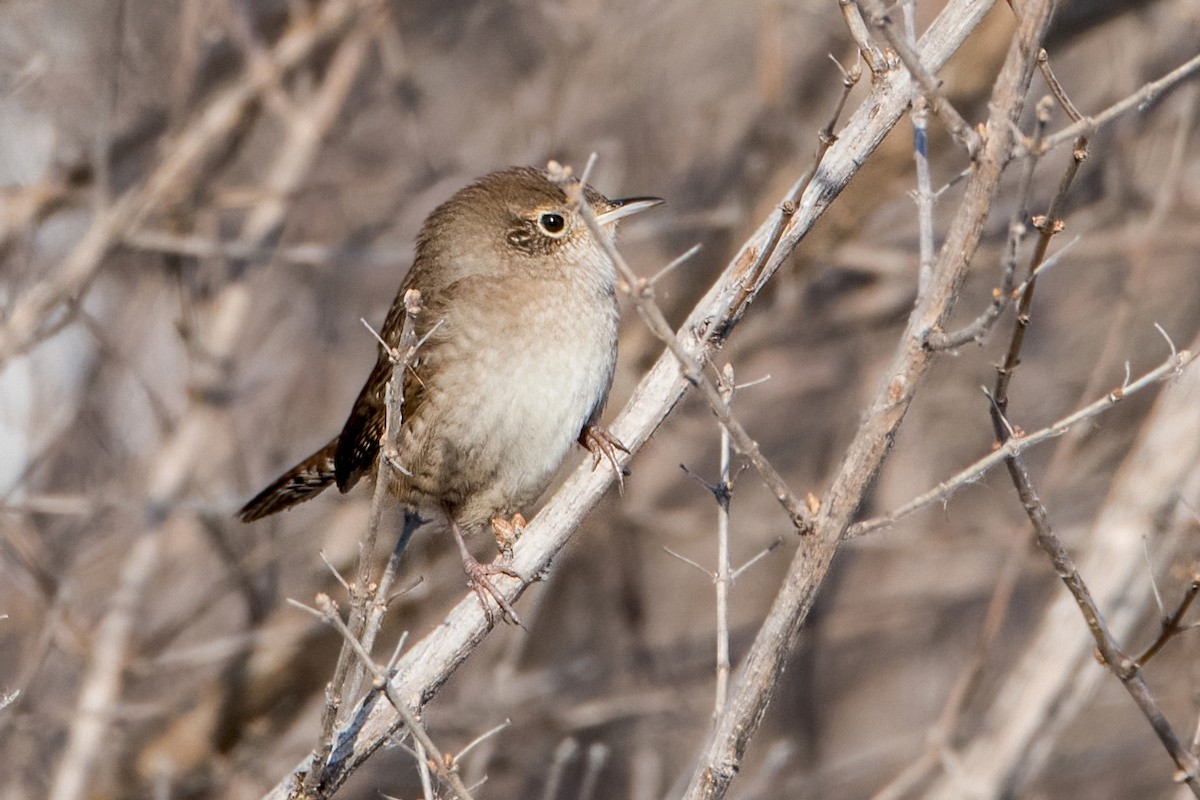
[{"x": 519, "y": 341}]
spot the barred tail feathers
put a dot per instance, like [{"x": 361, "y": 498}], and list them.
[{"x": 302, "y": 482}]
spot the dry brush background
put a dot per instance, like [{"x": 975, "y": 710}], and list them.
[{"x": 201, "y": 200}]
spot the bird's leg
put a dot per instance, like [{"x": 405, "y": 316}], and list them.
[
  {"x": 479, "y": 578},
  {"x": 603, "y": 445}
]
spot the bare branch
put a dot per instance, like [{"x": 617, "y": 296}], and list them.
[
  {"x": 327, "y": 611},
  {"x": 871, "y": 52},
  {"x": 931, "y": 87},
  {"x": 758, "y": 677},
  {"x": 1138, "y": 100},
  {"x": 1168, "y": 370},
  {"x": 368, "y": 597},
  {"x": 1060, "y": 93},
  {"x": 1005, "y": 294},
  {"x": 1055, "y": 672}
]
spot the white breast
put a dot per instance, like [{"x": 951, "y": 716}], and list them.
[{"x": 530, "y": 397}]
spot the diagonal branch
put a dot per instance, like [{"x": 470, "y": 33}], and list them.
[{"x": 1015, "y": 445}]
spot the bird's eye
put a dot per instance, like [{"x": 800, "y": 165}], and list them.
[{"x": 552, "y": 224}]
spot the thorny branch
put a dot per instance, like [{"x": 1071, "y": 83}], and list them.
[
  {"x": 445, "y": 767},
  {"x": 641, "y": 291},
  {"x": 1047, "y": 225},
  {"x": 931, "y": 87},
  {"x": 1002, "y": 296},
  {"x": 368, "y": 597},
  {"x": 722, "y": 755},
  {"x": 1015, "y": 445},
  {"x": 1126, "y": 669}
]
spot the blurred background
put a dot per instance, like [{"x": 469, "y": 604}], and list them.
[{"x": 251, "y": 214}]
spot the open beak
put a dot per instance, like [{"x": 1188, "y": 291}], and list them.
[{"x": 619, "y": 209}]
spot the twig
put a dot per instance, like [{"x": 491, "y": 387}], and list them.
[
  {"x": 376, "y": 600},
  {"x": 1139, "y": 100},
  {"x": 1158, "y": 601},
  {"x": 679, "y": 260},
  {"x": 1172, "y": 625},
  {"x": 1018, "y": 444},
  {"x": 690, "y": 562},
  {"x": 1047, "y": 225},
  {"x": 1196, "y": 739},
  {"x": 759, "y": 556},
  {"x": 721, "y": 579},
  {"x": 1001, "y": 297},
  {"x": 334, "y": 571},
  {"x": 871, "y": 52},
  {"x": 481, "y": 738},
  {"x": 327, "y": 611},
  {"x": 924, "y": 194},
  {"x": 1060, "y": 93},
  {"x": 931, "y": 87},
  {"x": 758, "y": 270},
  {"x": 368, "y": 597},
  {"x": 423, "y": 772}
]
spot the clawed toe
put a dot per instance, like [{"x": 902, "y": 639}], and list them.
[
  {"x": 604, "y": 446},
  {"x": 479, "y": 578}
]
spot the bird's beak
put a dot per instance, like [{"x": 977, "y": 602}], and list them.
[{"x": 619, "y": 209}]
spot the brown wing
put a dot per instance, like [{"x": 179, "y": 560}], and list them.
[{"x": 358, "y": 443}]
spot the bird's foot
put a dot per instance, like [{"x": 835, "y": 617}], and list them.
[
  {"x": 479, "y": 578},
  {"x": 507, "y": 533},
  {"x": 603, "y": 445}
]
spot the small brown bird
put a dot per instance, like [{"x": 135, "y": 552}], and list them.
[{"x": 519, "y": 322}]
